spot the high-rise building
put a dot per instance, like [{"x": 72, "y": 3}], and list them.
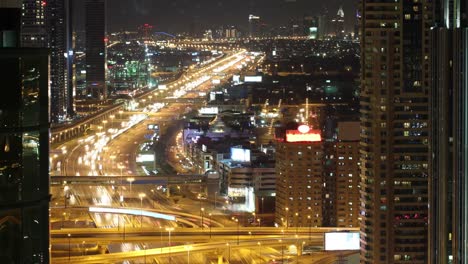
[
  {"x": 230, "y": 32},
  {"x": 33, "y": 24},
  {"x": 394, "y": 130},
  {"x": 299, "y": 178},
  {"x": 448, "y": 210},
  {"x": 337, "y": 24},
  {"x": 254, "y": 26},
  {"x": 70, "y": 75},
  {"x": 346, "y": 195},
  {"x": 56, "y": 41},
  {"x": 310, "y": 26},
  {"x": 47, "y": 24},
  {"x": 96, "y": 48},
  {"x": 323, "y": 26},
  {"x": 24, "y": 151}
]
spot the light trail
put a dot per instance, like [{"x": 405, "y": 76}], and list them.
[{"x": 131, "y": 212}]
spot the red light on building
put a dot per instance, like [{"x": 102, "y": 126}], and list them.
[
  {"x": 44, "y": 3},
  {"x": 106, "y": 40},
  {"x": 298, "y": 136}
]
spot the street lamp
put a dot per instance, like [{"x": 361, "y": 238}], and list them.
[
  {"x": 141, "y": 195},
  {"x": 69, "y": 247},
  {"x": 215, "y": 200},
  {"x": 229, "y": 252},
  {"x": 209, "y": 216},
  {"x": 130, "y": 180},
  {"x": 112, "y": 119},
  {"x": 144, "y": 246},
  {"x": 169, "y": 230},
  {"x": 65, "y": 194},
  {"x": 262, "y": 204},
  {"x": 237, "y": 221},
  {"x": 188, "y": 247},
  {"x": 282, "y": 246},
  {"x": 83, "y": 247},
  {"x": 310, "y": 225},
  {"x": 287, "y": 217},
  {"x": 202, "y": 211},
  {"x": 259, "y": 249},
  {"x": 297, "y": 221}
]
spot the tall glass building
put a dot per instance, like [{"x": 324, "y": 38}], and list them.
[
  {"x": 96, "y": 48},
  {"x": 449, "y": 135},
  {"x": 24, "y": 155}
]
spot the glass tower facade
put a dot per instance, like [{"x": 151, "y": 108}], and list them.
[
  {"x": 449, "y": 134},
  {"x": 24, "y": 156}
]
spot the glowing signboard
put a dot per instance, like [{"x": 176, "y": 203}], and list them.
[
  {"x": 303, "y": 134},
  {"x": 257, "y": 79},
  {"x": 240, "y": 154},
  {"x": 342, "y": 241}
]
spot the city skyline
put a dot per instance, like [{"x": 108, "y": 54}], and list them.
[{"x": 176, "y": 16}]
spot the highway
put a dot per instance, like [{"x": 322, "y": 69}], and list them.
[
  {"x": 109, "y": 150},
  {"x": 82, "y": 156},
  {"x": 226, "y": 249}
]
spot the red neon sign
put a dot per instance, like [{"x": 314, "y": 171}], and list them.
[{"x": 297, "y": 136}]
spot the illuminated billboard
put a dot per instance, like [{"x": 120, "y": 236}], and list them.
[
  {"x": 240, "y": 154},
  {"x": 153, "y": 127},
  {"x": 257, "y": 79},
  {"x": 313, "y": 32},
  {"x": 342, "y": 241},
  {"x": 236, "y": 78},
  {"x": 145, "y": 158},
  {"x": 303, "y": 134},
  {"x": 162, "y": 87},
  {"x": 214, "y": 110}
]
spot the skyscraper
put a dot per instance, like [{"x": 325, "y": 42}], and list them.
[
  {"x": 33, "y": 24},
  {"x": 299, "y": 180},
  {"x": 337, "y": 24},
  {"x": 346, "y": 194},
  {"x": 394, "y": 130},
  {"x": 310, "y": 26},
  {"x": 254, "y": 26},
  {"x": 449, "y": 111},
  {"x": 24, "y": 151},
  {"x": 48, "y": 25},
  {"x": 56, "y": 40},
  {"x": 96, "y": 48}
]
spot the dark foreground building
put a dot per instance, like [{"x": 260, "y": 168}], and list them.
[
  {"x": 449, "y": 136},
  {"x": 24, "y": 147}
]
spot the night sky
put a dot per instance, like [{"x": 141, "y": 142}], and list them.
[{"x": 177, "y": 15}]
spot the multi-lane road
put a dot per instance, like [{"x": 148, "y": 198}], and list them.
[{"x": 110, "y": 149}]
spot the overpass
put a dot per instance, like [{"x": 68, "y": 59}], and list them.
[
  {"x": 220, "y": 243},
  {"x": 124, "y": 180}
]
